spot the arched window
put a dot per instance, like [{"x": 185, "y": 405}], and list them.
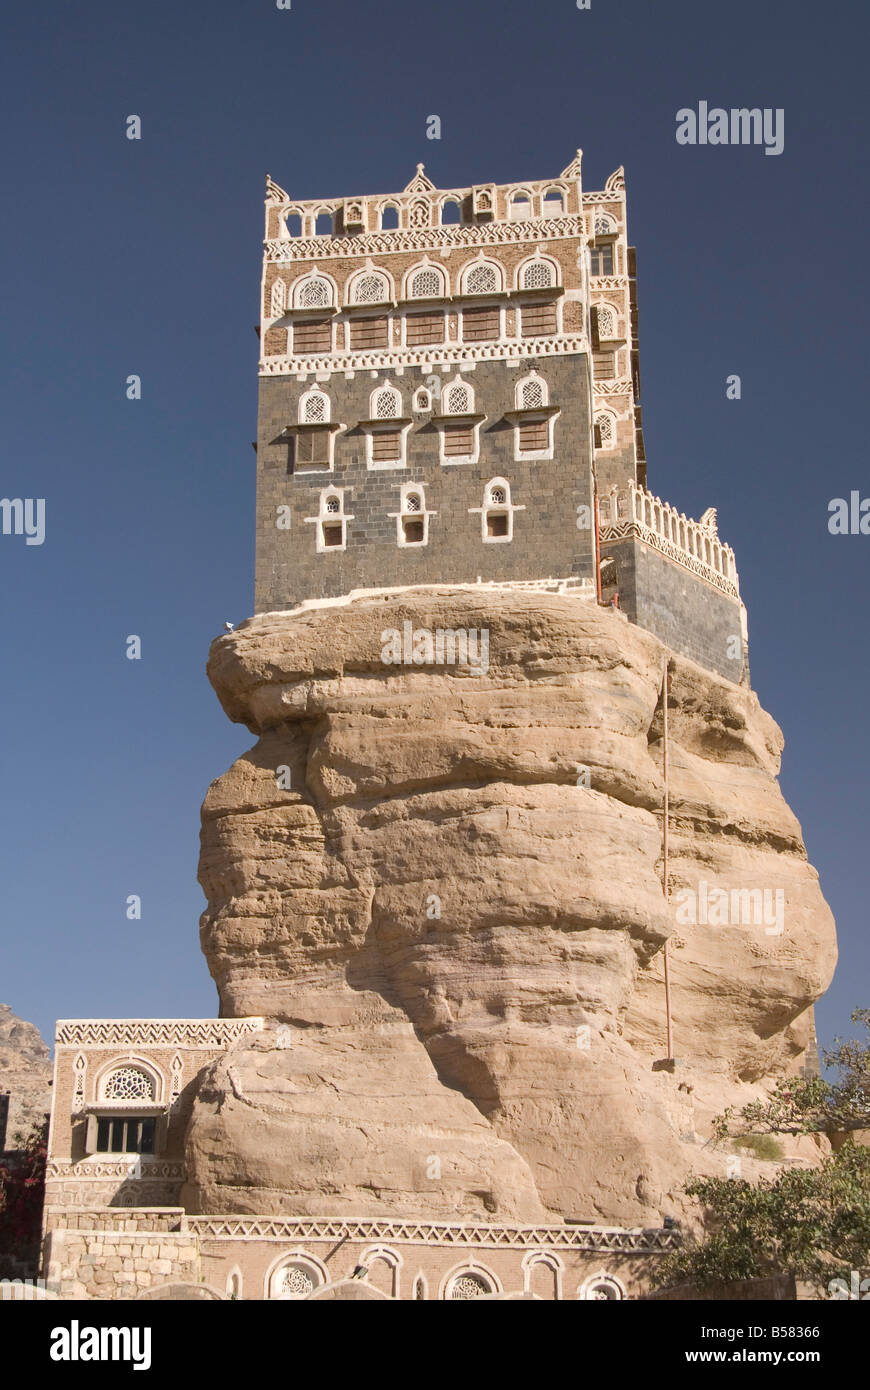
[
  {"x": 331, "y": 521},
  {"x": 427, "y": 283},
  {"x": 458, "y": 399},
  {"x": 422, "y": 399},
  {"x": 602, "y": 1287},
  {"x": 389, "y": 218},
  {"x": 313, "y": 293},
  {"x": 607, "y": 320},
  {"x": 470, "y": 1284},
  {"x": 554, "y": 202},
  {"x": 482, "y": 278},
  {"x": 412, "y": 520},
  {"x": 451, "y": 213},
  {"x": 293, "y": 223},
  {"x": 497, "y": 512},
  {"x": 604, "y": 225},
  {"x": 369, "y": 289},
  {"x": 531, "y": 393},
  {"x": 128, "y": 1083},
  {"x": 386, "y": 404},
  {"x": 520, "y": 207},
  {"x": 296, "y": 1279},
  {"x": 323, "y": 224},
  {"x": 605, "y": 430},
  {"x": 537, "y": 275},
  {"x": 314, "y": 408}
]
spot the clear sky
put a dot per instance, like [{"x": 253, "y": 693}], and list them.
[{"x": 143, "y": 257}]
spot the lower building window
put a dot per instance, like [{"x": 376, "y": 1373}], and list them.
[
  {"x": 386, "y": 446},
  {"x": 333, "y": 532},
  {"x": 458, "y": 440},
  {"x": 537, "y": 319},
  {"x": 125, "y": 1135},
  {"x": 533, "y": 437}
]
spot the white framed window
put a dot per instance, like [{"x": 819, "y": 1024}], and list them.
[
  {"x": 293, "y": 222},
  {"x": 369, "y": 287},
  {"x": 313, "y": 292},
  {"x": 412, "y": 518},
  {"x": 497, "y": 513},
  {"x": 294, "y": 1276},
  {"x": 451, "y": 213},
  {"x": 425, "y": 282},
  {"x": 482, "y": 277},
  {"x": 331, "y": 521},
  {"x": 422, "y": 399},
  {"x": 314, "y": 407},
  {"x": 608, "y": 321},
  {"x": 605, "y": 430},
  {"x": 389, "y": 218},
  {"x": 458, "y": 425},
  {"x": 469, "y": 1280},
  {"x": 534, "y": 421},
  {"x": 386, "y": 429},
  {"x": 602, "y": 1288},
  {"x": 128, "y": 1083},
  {"x": 554, "y": 203},
  {"x": 539, "y": 273},
  {"x": 604, "y": 224}
]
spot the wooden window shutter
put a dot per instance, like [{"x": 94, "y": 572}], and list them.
[
  {"x": 312, "y": 448},
  {"x": 386, "y": 445},
  {"x": 538, "y": 319},
  {"x": 534, "y": 436},
  {"x": 424, "y": 328},
  {"x": 458, "y": 439},
  {"x": 478, "y": 324},
  {"x": 369, "y": 333},
  {"x": 604, "y": 364},
  {"x": 314, "y": 336}
]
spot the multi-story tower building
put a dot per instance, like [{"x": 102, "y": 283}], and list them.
[{"x": 449, "y": 384}]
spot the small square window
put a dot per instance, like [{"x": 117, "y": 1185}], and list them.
[
  {"x": 496, "y": 523},
  {"x": 333, "y": 533},
  {"x": 413, "y": 530}
]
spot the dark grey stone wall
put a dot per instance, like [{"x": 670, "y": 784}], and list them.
[
  {"x": 686, "y": 613},
  {"x": 546, "y": 540}
]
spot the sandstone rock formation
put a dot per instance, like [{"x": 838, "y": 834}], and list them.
[
  {"x": 25, "y": 1072},
  {"x": 459, "y": 948}
]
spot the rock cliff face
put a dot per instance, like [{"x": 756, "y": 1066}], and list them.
[
  {"x": 25, "y": 1072},
  {"x": 459, "y": 943}
]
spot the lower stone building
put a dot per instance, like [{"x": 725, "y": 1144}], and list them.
[{"x": 114, "y": 1226}]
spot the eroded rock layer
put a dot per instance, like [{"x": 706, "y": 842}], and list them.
[{"x": 458, "y": 943}]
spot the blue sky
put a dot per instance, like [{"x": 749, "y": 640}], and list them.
[{"x": 144, "y": 257}]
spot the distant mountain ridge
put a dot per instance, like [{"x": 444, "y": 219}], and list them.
[{"x": 25, "y": 1072}]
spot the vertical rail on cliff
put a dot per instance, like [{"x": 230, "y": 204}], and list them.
[{"x": 665, "y": 885}]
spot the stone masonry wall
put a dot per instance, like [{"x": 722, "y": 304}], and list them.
[{"x": 546, "y": 541}]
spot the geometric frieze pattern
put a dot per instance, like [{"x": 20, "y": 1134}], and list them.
[
  {"x": 422, "y": 239},
  {"x": 93, "y": 1170},
  {"x": 489, "y": 1237},
  {"x": 143, "y": 1032},
  {"x": 446, "y": 353}
]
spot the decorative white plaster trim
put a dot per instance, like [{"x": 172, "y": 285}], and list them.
[
  {"x": 428, "y": 355},
  {"x": 482, "y": 1236},
  {"x": 153, "y": 1032},
  {"x": 533, "y": 229}
]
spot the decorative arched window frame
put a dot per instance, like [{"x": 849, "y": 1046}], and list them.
[
  {"x": 605, "y": 310},
  {"x": 554, "y": 201},
  {"x": 539, "y": 419},
  {"x": 424, "y": 266},
  {"x": 127, "y": 1110},
  {"x": 154, "y": 1075},
  {"x": 329, "y": 517},
  {"x": 487, "y": 263},
  {"x": 450, "y": 201},
  {"x": 294, "y": 1259},
  {"x": 611, "y": 1288},
  {"x": 422, "y": 399},
  {"x": 603, "y": 440},
  {"x": 551, "y": 1261},
  {"x": 407, "y": 513},
  {"x": 285, "y": 222},
  {"x": 390, "y": 1258},
  {"x": 310, "y": 435},
  {"x": 353, "y": 284},
  {"x": 476, "y": 1271},
  {"x": 380, "y": 424},
  {"x": 389, "y": 206},
  {"x": 448, "y": 419},
  {"x": 323, "y": 211},
  {"x": 420, "y": 1287},
  {"x": 538, "y": 259},
  {"x": 497, "y": 503},
  {"x": 235, "y": 1283},
  {"x": 521, "y": 205},
  {"x": 604, "y": 225},
  {"x": 307, "y": 415},
  {"x": 328, "y": 301}
]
